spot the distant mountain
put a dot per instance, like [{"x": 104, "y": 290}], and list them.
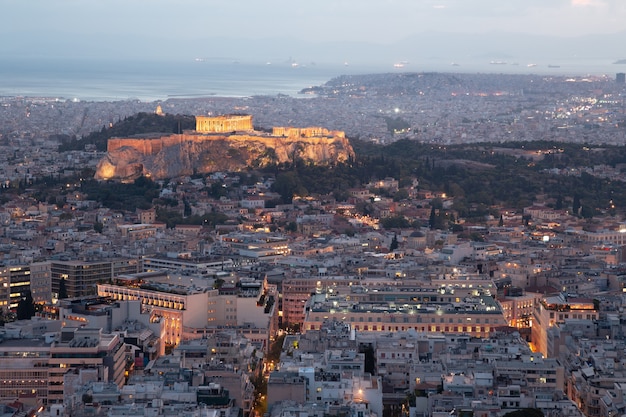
[{"x": 453, "y": 47}]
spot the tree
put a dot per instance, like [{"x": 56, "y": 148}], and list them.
[
  {"x": 432, "y": 220},
  {"x": 394, "y": 243},
  {"x": 187, "y": 208},
  {"x": 559, "y": 203},
  {"x": 291, "y": 227},
  {"x": 66, "y": 216},
  {"x": 576, "y": 205},
  {"x": 395, "y": 222},
  {"x": 436, "y": 203},
  {"x": 217, "y": 190},
  {"x": 456, "y": 228},
  {"x": 62, "y": 289},
  {"x": 288, "y": 184},
  {"x": 401, "y": 194},
  {"x": 596, "y": 304},
  {"x": 586, "y": 212},
  {"x": 26, "y": 307},
  {"x": 525, "y": 412},
  {"x": 501, "y": 221}
]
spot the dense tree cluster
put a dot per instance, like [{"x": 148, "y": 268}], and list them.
[
  {"x": 139, "y": 194},
  {"x": 132, "y": 125},
  {"x": 480, "y": 177}
]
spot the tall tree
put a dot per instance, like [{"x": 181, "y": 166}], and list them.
[
  {"x": 26, "y": 307},
  {"x": 576, "y": 205},
  {"x": 62, "y": 289},
  {"x": 559, "y": 203},
  {"x": 586, "y": 212},
  {"x": 432, "y": 220},
  {"x": 394, "y": 243}
]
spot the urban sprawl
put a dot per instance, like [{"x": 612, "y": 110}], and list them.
[{"x": 312, "y": 308}]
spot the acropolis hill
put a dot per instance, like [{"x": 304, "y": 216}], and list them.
[{"x": 222, "y": 143}]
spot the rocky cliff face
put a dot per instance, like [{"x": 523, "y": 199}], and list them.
[{"x": 176, "y": 155}]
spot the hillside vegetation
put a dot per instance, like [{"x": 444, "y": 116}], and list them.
[{"x": 480, "y": 177}]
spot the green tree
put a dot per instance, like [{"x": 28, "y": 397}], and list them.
[
  {"x": 559, "y": 203},
  {"x": 395, "y": 222},
  {"x": 436, "y": 203},
  {"x": 26, "y": 307},
  {"x": 394, "y": 243},
  {"x": 586, "y": 212},
  {"x": 525, "y": 412},
  {"x": 186, "y": 208},
  {"x": 432, "y": 219},
  {"x": 217, "y": 190},
  {"x": 576, "y": 205},
  {"x": 62, "y": 289},
  {"x": 66, "y": 216},
  {"x": 288, "y": 184},
  {"x": 291, "y": 227},
  {"x": 401, "y": 194}
]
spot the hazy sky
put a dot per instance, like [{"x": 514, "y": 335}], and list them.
[{"x": 378, "y": 21}]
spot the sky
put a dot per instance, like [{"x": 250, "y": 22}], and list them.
[
  {"x": 48, "y": 26},
  {"x": 379, "y": 21}
]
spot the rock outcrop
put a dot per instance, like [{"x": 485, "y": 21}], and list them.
[{"x": 167, "y": 156}]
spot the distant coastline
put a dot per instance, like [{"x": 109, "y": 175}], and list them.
[
  {"x": 620, "y": 62},
  {"x": 119, "y": 80}
]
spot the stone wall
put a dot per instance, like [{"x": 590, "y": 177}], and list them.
[
  {"x": 306, "y": 132},
  {"x": 147, "y": 146}
]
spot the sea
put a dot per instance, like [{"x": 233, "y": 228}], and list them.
[{"x": 115, "y": 80}]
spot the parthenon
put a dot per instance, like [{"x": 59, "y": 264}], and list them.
[{"x": 224, "y": 124}]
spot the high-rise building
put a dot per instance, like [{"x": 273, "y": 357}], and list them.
[
  {"x": 620, "y": 77},
  {"x": 14, "y": 285},
  {"x": 553, "y": 310},
  {"x": 39, "y": 366},
  {"x": 40, "y": 282},
  {"x": 80, "y": 277},
  {"x": 84, "y": 348}
]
